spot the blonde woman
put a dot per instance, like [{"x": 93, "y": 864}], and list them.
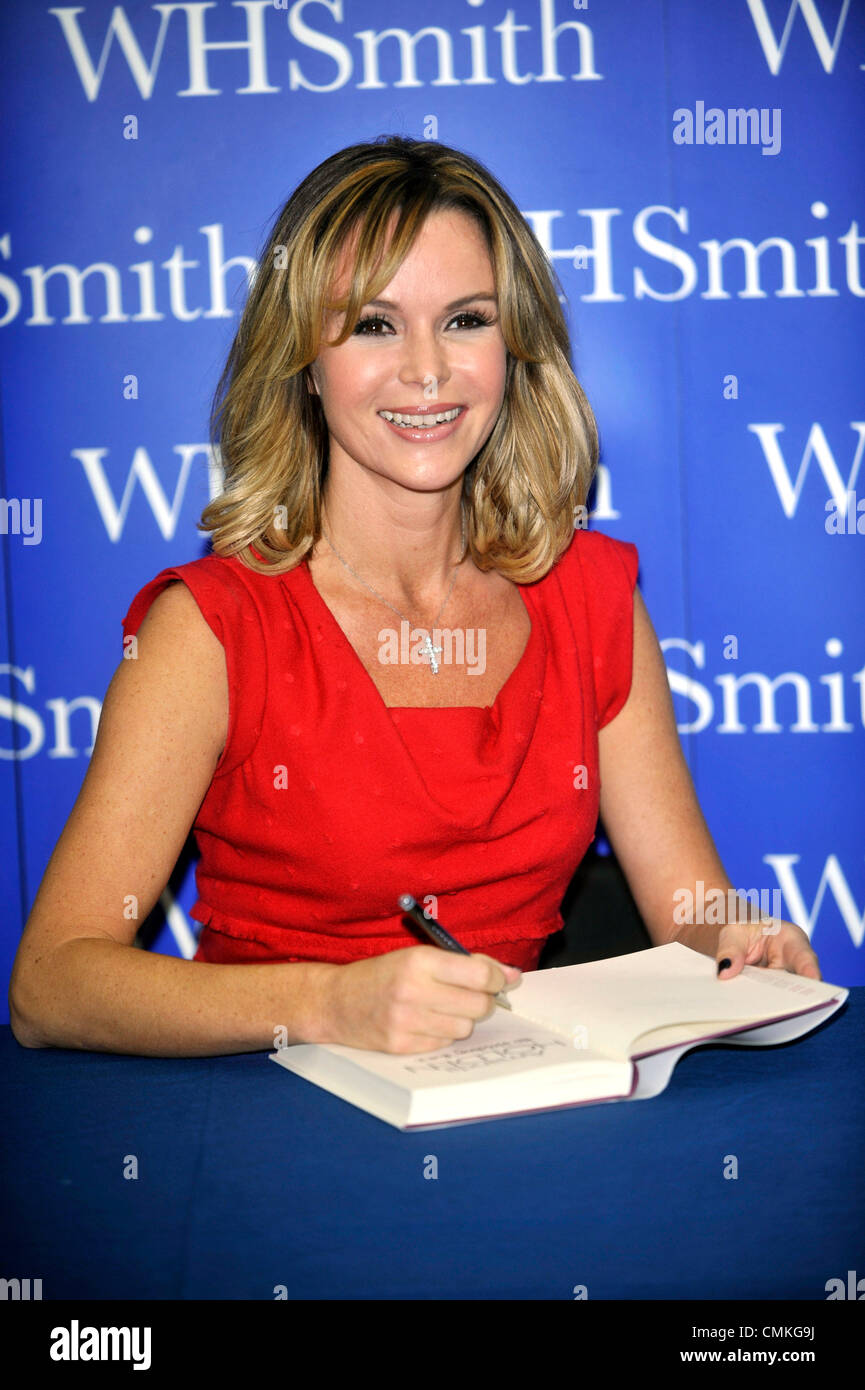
[{"x": 401, "y": 668}]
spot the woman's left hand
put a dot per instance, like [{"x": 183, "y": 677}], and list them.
[{"x": 774, "y": 943}]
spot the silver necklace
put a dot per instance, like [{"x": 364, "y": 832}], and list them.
[{"x": 427, "y": 648}]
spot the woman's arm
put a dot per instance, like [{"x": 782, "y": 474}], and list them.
[
  {"x": 78, "y": 980},
  {"x": 651, "y": 815}
]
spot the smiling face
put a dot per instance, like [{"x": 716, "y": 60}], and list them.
[{"x": 429, "y": 345}]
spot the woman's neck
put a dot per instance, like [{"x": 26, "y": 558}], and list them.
[{"x": 405, "y": 546}]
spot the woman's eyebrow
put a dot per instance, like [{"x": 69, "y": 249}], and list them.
[{"x": 454, "y": 304}]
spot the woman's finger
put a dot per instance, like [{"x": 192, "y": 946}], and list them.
[{"x": 735, "y": 945}]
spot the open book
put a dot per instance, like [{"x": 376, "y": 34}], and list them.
[{"x": 608, "y": 1030}]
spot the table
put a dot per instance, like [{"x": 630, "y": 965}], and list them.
[{"x": 250, "y": 1178}]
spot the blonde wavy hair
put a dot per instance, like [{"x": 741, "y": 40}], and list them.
[{"x": 521, "y": 489}]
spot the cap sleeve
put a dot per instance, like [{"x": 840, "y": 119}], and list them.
[
  {"x": 230, "y": 612},
  {"x": 609, "y": 574}
]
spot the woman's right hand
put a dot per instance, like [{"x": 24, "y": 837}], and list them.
[{"x": 416, "y": 999}]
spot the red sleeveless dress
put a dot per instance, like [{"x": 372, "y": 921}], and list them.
[{"x": 326, "y": 804}]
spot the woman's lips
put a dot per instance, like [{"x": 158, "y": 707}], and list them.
[{"x": 419, "y": 433}]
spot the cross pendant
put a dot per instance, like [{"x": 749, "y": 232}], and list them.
[{"x": 427, "y": 649}]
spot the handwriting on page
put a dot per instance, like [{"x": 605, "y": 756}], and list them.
[
  {"x": 782, "y": 979},
  {"x": 488, "y": 1055}
]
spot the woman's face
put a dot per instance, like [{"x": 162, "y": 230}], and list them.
[{"x": 435, "y": 346}]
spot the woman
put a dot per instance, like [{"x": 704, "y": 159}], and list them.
[{"x": 402, "y": 668}]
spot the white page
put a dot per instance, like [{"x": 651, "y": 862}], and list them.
[
  {"x": 614, "y": 1001},
  {"x": 499, "y": 1046}
]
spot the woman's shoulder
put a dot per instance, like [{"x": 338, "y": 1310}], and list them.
[
  {"x": 597, "y": 578},
  {"x": 595, "y": 560},
  {"x": 223, "y": 587},
  {"x": 593, "y": 582},
  {"x": 229, "y": 572}
]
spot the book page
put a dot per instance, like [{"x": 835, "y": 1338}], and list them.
[
  {"x": 608, "y": 1004},
  {"x": 500, "y": 1046}
]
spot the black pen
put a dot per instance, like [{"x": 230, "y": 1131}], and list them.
[{"x": 436, "y": 932}]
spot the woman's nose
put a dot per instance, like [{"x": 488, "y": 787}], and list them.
[{"x": 424, "y": 362}]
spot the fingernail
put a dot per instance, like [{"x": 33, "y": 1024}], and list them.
[{"x": 724, "y": 964}]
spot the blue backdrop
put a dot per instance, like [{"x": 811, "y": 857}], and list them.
[{"x": 695, "y": 173}]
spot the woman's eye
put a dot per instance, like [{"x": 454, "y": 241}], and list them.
[
  {"x": 478, "y": 319},
  {"x": 475, "y": 321},
  {"x": 364, "y": 323}
]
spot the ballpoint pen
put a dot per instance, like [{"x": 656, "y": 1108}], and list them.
[{"x": 436, "y": 932}]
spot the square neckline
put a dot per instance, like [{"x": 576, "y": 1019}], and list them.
[{"x": 401, "y": 709}]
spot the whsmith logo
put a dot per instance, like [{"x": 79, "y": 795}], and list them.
[
  {"x": 256, "y": 36},
  {"x": 124, "y": 488},
  {"x": 192, "y": 282}
]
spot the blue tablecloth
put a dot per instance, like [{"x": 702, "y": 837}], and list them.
[{"x": 250, "y": 1178}]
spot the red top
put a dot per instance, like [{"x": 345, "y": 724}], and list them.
[{"x": 326, "y": 804}]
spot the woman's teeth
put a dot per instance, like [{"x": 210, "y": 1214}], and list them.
[{"x": 420, "y": 421}]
